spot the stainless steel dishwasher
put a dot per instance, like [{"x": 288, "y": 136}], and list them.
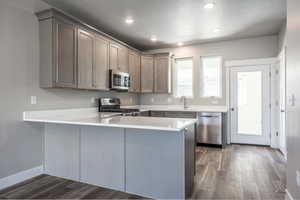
[{"x": 209, "y": 128}]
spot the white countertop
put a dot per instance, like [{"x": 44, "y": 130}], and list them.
[
  {"x": 91, "y": 117},
  {"x": 192, "y": 108}
]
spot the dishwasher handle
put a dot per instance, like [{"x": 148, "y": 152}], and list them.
[{"x": 208, "y": 116}]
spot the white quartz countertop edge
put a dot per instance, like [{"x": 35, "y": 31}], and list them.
[
  {"x": 91, "y": 117},
  {"x": 113, "y": 125}
]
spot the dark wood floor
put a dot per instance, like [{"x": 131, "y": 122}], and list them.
[
  {"x": 240, "y": 172},
  {"x": 237, "y": 172}
]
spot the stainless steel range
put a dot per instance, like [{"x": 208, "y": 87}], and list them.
[{"x": 114, "y": 105}]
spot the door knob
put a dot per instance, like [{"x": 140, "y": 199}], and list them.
[{"x": 232, "y": 109}]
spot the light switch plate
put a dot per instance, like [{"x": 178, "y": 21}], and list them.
[
  {"x": 33, "y": 100},
  {"x": 298, "y": 178}
]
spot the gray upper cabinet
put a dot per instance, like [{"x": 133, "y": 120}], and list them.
[
  {"x": 74, "y": 55},
  {"x": 162, "y": 73},
  {"x": 85, "y": 59},
  {"x": 58, "y": 59},
  {"x": 118, "y": 58},
  {"x": 147, "y": 74},
  {"x": 135, "y": 71},
  {"x": 101, "y": 63},
  {"x": 93, "y": 61}
]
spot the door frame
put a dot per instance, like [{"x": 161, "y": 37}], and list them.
[
  {"x": 244, "y": 63},
  {"x": 282, "y": 137}
]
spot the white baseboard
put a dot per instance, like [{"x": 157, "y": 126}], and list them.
[
  {"x": 21, "y": 176},
  {"x": 288, "y": 195}
]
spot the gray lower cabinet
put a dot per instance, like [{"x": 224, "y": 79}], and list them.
[
  {"x": 147, "y": 74},
  {"x": 157, "y": 113},
  {"x": 135, "y": 71},
  {"x": 173, "y": 114},
  {"x": 162, "y": 73},
  {"x": 58, "y": 59},
  {"x": 145, "y": 114},
  {"x": 180, "y": 114}
]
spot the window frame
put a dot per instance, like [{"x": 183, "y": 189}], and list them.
[
  {"x": 174, "y": 77},
  {"x": 201, "y": 79}
]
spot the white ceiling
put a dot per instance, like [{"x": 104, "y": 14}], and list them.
[{"x": 173, "y": 21}]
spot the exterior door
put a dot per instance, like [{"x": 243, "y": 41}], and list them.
[{"x": 250, "y": 104}]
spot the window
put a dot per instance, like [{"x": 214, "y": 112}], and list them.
[
  {"x": 211, "y": 76},
  {"x": 183, "y": 77}
]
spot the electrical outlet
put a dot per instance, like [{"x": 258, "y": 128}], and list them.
[
  {"x": 169, "y": 100},
  {"x": 131, "y": 100},
  {"x": 33, "y": 100},
  {"x": 93, "y": 100},
  {"x": 298, "y": 178},
  {"x": 152, "y": 99},
  {"x": 214, "y": 102}
]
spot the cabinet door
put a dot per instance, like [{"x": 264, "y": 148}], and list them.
[
  {"x": 85, "y": 59},
  {"x": 147, "y": 74},
  {"x": 180, "y": 114},
  {"x": 123, "y": 59},
  {"x": 65, "y": 54},
  {"x": 113, "y": 57},
  {"x": 138, "y": 73},
  {"x": 157, "y": 114},
  {"x": 101, "y": 63},
  {"x": 162, "y": 74},
  {"x": 134, "y": 70}
]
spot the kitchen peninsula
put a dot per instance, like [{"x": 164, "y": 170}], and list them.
[{"x": 151, "y": 157}]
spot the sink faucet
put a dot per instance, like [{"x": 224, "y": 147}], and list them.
[{"x": 184, "y": 100}]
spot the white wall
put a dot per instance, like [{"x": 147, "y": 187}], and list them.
[
  {"x": 259, "y": 47},
  {"x": 293, "y": 89},
  {"x": 282, "y": 38},
  {"x": 21, "y": 143}
]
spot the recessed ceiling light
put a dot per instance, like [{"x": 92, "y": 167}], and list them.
[
  {"x": 129, "y": 20},
  {"x": 217, "y": 30},
  {"x": 179, "y": 43},
  {"x": 153, "y": 39},
  {"x": 209, "y": 5}
]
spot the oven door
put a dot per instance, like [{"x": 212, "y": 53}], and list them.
[{"x": 119, "y": 80}]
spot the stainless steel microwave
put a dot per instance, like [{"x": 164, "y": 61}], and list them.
[{"x": 119, "y": 80}]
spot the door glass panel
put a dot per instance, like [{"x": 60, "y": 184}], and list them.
[{"x": 249, "y": 103}]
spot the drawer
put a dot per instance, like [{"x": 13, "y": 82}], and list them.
[
  {"x": 144, "y": 114},
  {"x": 180, "y": 114},
  {"x": 157, "y": 114}
]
